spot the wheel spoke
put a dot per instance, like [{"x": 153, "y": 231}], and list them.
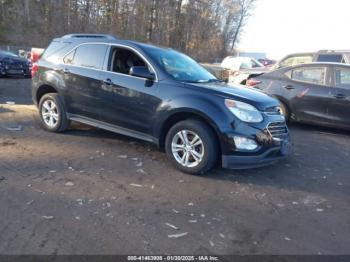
[
  {"x": 55, "y": 116},
  {"x": 183, "y": 158},
  {"x": 46, "y": 106},
  {"x": 184, "y": 134},
  {"x": 51, "y": 121},
  {"x": 194, "y": 140},
  {"x": 196, "y": 155},
  {"x": 187, "y": 156},
  {"x": 177, "y": 147}
]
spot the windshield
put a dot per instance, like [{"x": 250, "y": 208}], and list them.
[
  {"x": 180, "y": 66},
  {"x": 8, "y": 53}
]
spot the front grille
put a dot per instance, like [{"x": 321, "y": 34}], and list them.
[
  {"x": 278, "y": 130},
  {"x": 15, "y": 66}
]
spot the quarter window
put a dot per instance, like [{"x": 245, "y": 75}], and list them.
[
  {"x": 87, "y": 55},
  {"x": 311, "y": 75},
  {"x": 342, "y": 78}
]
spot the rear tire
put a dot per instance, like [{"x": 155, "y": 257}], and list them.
[
  {"x": 52, "y": 113},
  {"x": 191, "y": 146}
]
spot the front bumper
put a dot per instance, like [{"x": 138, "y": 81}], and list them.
[
  {"x": 268, "y": 157},
  {"x": 25, "y": 71},
  {"x": 272, "y": 137}
]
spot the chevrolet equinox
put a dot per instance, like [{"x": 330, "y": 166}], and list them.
[{"x": 158, "y": 95}]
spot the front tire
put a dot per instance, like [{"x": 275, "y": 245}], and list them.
[
  {"x": 191, "y": 146},
  {"x": 52, "y": 113},
  {"x": 285, "y": 111}
]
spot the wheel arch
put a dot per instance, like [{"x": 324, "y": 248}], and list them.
[
  {"x": 44, "y": 89},
  {"x": 179, "y": 116}
]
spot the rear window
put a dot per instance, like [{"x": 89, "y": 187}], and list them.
[
  {"x": 336, "y": 58},
  {"x": 53, "y": 48}
]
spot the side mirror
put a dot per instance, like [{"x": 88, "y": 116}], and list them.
[{"x": 141, "y": 71}]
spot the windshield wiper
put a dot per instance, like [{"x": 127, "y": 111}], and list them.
[{"x": 213, "y": 80}]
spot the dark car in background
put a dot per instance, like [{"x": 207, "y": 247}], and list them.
[
  {"x": 161, "y": 96},
  {"x": 317, "y": 93},
  {"x": 13, "y": 65}
]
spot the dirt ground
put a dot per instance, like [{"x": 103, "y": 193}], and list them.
[{"x": 89, "y": 191}]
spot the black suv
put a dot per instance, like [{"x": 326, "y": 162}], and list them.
[{"x": 157, "y": 95}]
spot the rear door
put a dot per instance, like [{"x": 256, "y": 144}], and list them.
[
  {"x": 339, "y": 106},
  {"x": 308, "y": 89},
  {"x": 81, "y": 72}
]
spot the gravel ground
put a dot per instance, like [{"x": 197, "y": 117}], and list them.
[{"x": 89, "y": 191}]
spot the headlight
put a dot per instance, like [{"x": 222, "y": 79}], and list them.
[{"x": 244, "y": 111}]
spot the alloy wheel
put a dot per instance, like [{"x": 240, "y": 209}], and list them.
[
  {"x": 49, "y": 113},
  {"x": 187, "y": 148}
]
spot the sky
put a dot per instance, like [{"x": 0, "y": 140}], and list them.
[{"x": 281, "y": 27}]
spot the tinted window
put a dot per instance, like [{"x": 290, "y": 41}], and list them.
[
  {"x": 342, "y": 78},
  {"x": 89, "y": 55},
  {"x": 179, "y": 66},
  {"x": 330, "y": 58},
  {"x": 309, "y": 75},
  {"x": 53, "y": 48}
]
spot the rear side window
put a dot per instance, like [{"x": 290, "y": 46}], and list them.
[
  {"x": 331, "y": 58},
  {"x": 87, "y": 55},
  {"x": 312, "y": 75},
  {"x": 342, "y": 78}
]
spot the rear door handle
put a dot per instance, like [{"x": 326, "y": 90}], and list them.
[
  {"x": 108, "y": 82},
  {"x": 289, "y": 87},
  {"x": 66, "y": 71},
  {"x": 340, "y": 96}
]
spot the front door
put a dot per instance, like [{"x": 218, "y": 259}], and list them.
[{"x": 128, "y": 102}]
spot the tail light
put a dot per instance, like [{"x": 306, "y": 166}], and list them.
[
  {"x": 35, "y": 69},
  {"x": 252, "y": 82}
]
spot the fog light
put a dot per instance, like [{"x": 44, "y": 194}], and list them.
[{"x": 244, "y": 143}]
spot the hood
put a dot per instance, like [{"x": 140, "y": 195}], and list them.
[
  {"x": 241, "y": 93},
  {"x": 13, "y": 59}
]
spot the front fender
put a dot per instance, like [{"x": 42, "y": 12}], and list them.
[{"x": 211, "y": 109}]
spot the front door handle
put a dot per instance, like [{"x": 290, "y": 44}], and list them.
[
  {"x": 340, "y": 96},
  {"x": 289, "y": 87},
  {"x": 108, "y": 82}
]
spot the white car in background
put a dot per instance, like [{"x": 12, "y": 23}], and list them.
[{"x": 241, "y": 68}]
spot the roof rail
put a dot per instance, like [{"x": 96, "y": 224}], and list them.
[{"x": 105, "y": 36}]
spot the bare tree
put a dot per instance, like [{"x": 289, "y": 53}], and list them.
[
  {"x": 245, "y": 7},
  {"x": 204, "y": 29}
]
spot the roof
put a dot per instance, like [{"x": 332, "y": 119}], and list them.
[{"x": 104, "y": 38}]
